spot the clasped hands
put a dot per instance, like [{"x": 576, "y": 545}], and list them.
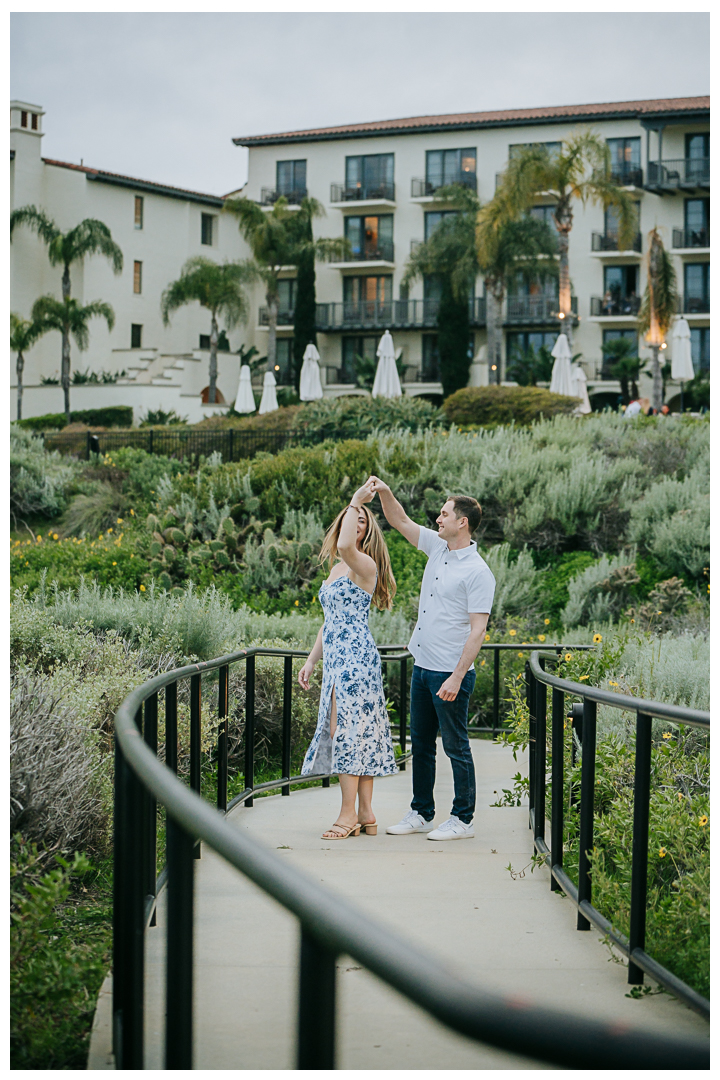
[{"x": 365, "y": 494}]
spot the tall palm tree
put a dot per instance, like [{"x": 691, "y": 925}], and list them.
[
  {"x": 90, "y": 237},
  {"x": 217, "y": 287},
  {"x": 509, "y": 242},
  {"x": 279, "y": 238},
  {"x": 659, "y": 305},
  {"x": 23, "y": 335},
  {"x": 581, "y": 171},
  {"x": 69, "y": 318}
]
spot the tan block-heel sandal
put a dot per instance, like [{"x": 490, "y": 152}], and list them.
[
  {"x": 370, "y": 828},
  {"x": 353, "y": 830}
]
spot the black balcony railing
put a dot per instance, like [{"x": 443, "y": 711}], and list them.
[
  {"x": 693, "y": 305},
  {"x": 626, "y": 174},
  {"x": 534, "y": 309},
  {"x": 285, "y": 316},
  {"x": 614, "y": 305},
  {"x": 268, "y": 196},
  {"x": 381, "y": 252},
  {"x": 341, "y": 193},
  {"x": 388, "y": 315},
  {"x": 420, "y": 188},
  {"x": 609, "y": 242},
  {"x": 582, "y": 724},
  {"x": 330, "y": 926},
  {"x": 691, "y": 238},
  {"x": 688, "y": 173}
]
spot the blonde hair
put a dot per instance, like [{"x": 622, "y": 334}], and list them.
[{"x": 373, "y": 544}]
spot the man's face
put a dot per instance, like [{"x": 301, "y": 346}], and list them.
[{"x": 448, "y": 524}]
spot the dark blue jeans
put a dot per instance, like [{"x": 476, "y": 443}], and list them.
[{"x": 428, "y": 713}]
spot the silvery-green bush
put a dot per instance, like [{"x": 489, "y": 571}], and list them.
[
  {"x": 588, "y": 604},
  {"x": 672, "y": 522},
  {"x": 38, "y": 480},
  {"x": 516, "y": 581}
]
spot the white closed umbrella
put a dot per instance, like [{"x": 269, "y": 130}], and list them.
[
  {"x": 310, "y": 385},
  {"x": 562, "y": 381},
  {"x": 245, "y": 401},
  {"x": 580, "y": 389},
  {"x": 387, "y": 380},
  {"x": 268, "y": 402},
  {"x": 682, "y": 365}
]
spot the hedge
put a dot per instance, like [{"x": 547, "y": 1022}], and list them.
[
  {"x": 504, "y": 404},
  {"x": 112, "y": 416}
]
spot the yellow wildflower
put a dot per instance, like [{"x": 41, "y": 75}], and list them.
[
  {"x": 541, "y": 637},
  {"x": 119, "y": 521},
  {"x": 482, "y": 663},
  {"x": 613, "y": 683},
  {"x": 132, "y": 556},
  {"x": 110, "y": 530},
  {"x": 133, "y": 513},
  {"x": 142, "y": 588},
  {"x": 703, "y": 820},
  {"x": 55, "y": 536},
  {"x": 597, "y": 638},
  {"x": 114, "y": 564},
  {"x": 487, "y": 637},
  {"x": 297, "y": 603},
  {"x": 547, "y": 622},
  {"x": 667, "y": 735},
  {"x": 568, "y": 656},
  {"x": 521, "y": 654},
  {"x": 38, "y": 537},
  {"x": 680, "y": 796},
  {"x": 513, "y": 633},
  {"x": 662, "y": 852},
  {"x": 583, "y": 678}
]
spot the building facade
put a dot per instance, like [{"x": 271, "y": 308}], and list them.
[{"x": 378, "y": 180}]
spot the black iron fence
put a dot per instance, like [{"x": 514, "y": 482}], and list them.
[
  {"x": 583, "y": 723},
  {"x": 534, "y": 309},
  {"x": 626, "y": 173},
  {"x": 420, "y": 188},
  {"x": 329, "y": 927},
  {"x": 269, "y": 196},
  {"x": 676, "y": 173},
  {"x": 609, "y": 242},
  {"x": 231, "y": 443},
  {"x": 691, "y": 238},
  {"x": 388, "y": 314},
  {"x": 612, "y": 304},
  {"x": 381, "y": 189}
]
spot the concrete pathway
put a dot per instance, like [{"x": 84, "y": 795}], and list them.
[{"x": 455, "y": 899}]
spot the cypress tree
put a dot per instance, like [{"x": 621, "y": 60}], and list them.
[
  {"x": 453, "y": 328},
  {"x": 304, "y": 321}
]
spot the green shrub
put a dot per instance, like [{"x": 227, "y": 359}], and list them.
[
  {"x": 38, "y": 480},
  {"x": 505, "y": 405},
  {"x": 672, "y": 523},
  {"x": 112, "y": 416},
  {"x": 601, "y": 591},
  {"x": 114, "y": 562},
  {"x": 355, "y": 417}
]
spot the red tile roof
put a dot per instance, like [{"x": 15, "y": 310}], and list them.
[
  {"x": 502, "y": 117},
  {"x": 132, "y": 181}
]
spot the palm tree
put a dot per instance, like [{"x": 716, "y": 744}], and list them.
[
  {"x": 659, "y": 305},
  {"x": 580, "y": 171},
  {"x": 68, "y": 317},
  {"x": 90, "y": 237},
  {"x": 23, "y": 334},
  {"x": 279, "y": 238},
  {"x": 219, "y": 288},
  {"x": 508, "y": 243},
  {"x": 625, "y": 365}
]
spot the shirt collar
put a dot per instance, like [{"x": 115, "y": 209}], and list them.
[{"x": 462, "y": 553}]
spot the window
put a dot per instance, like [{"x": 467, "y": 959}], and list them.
[
  {"x": 519, "y": 342},
  {"x": 430, "y": 369},
  {"x": 612, "y": 220},
  {"x": 613, "y": 335},
  {"x": 620, "y": 291},
  {"x": 291, "y": 180},
  {"x": 139, "y": 207},
  {"x": 522, "y": 285},
  {"x": 204, "y": 341},
  {"x": 700, "y": 346},
  {"x": 697, "y": 287},
  {"x": 370, "y": 176},
  {"x": 283, "y": 361},
  {"x": 136, "y": 336},
  {"x": 370, "y": 237},
  {"x": 625, "y": 161},
  {"x": 137, "y": 277},
  {"x": 697, "y": 146},
  {"x": 553, "y": 148},
  {"x": 352, "y": 347},
  {"x": 450, "y": 167},
  {"x": 23, "y": 119},
  {"x": 287, "y": 288},
  {"x": 207, "y": 229},
  {"x": 433, "y": 219},
  {"x": 697, "y": 223},
  {"x": 544, "y": 214},
  {"x": 374, "y": 290},
  {"x": 34, "y": 121}
]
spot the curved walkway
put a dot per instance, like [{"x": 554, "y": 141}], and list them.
[{"x": 455, "y": 899}]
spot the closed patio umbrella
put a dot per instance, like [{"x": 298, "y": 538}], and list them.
[
  {"x": 268, "y": 402},
  {"x": 245, "y": 401},
  {"x": 387, "y": 380},
  {"x": 310, "y": 385},
  {"x": 562, "y": 381},
  {"x": 580, "y": 389},
  {"x": 682, "y": 365}
]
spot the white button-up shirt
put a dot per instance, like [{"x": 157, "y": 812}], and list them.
[{"x": 455, "y": 584}]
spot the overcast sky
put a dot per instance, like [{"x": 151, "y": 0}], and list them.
[{"x": 160, "y": 96}]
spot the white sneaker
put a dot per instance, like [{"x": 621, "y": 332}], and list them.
[
  {"x": 412, "y": 822},
  {"x": 452, "y": 829}
]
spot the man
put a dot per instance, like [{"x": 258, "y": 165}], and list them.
[{"x": 455, "y": 603}]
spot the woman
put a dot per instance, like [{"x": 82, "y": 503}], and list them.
[{"x": 352, "y": 737}]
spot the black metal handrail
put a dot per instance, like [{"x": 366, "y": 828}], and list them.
[
  {"x": 389, "y": 314},
  {"x": 330, "y": 925},
  {"x": 609, "y": 241},
  {"x": 691, "y": 238},
  {"x": 677, "y": 173},
  {"x": 381, "y": 190},
  {"x": 531, "y": 309},
  {"x": 583, "y": 720}
]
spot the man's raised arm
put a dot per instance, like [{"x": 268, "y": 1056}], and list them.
[{"x": 394, "y": 513}]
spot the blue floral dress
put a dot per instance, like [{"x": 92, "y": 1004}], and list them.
[{"x": 362, "y": 745}]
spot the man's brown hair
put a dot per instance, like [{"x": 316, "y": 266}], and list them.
[{"x": 466, "y": 506}]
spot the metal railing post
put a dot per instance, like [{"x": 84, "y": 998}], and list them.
[
  {"x": 530, "y": 700},
  {"x": 249, "y": 725},
  {"x": 287, "y": 721},
  {"x": 540, "y": 757},
  {"x": 641, "y": 827},
  {"x": 222, "y": 743},
  {"x": 150, "y": 736},
  {"x": 179, "y": 969},
  {"x": 171, "y": 726},
  {"x": 587, "y": 808},
  {"x": 195, "y": 737},
  {"x": 316, "y": 1005},
  {"x": 403, "y": 709},
  {"x": 496, "y": 691},
  {"x": 558, "y": 781}
]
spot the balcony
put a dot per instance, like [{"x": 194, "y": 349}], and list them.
[
  {"x": 680, "y": 174},
  {"x": 383, "y": 252},
  {"x": 381, "y": 192},
  {"x": 608, "y": 243},
  {"x": 285, "y": 317},
  {"x": 626, "y": 174},
  {"x": 268, "y": 196},
  {"x": 391, "y": 314},
  {"x": 693, "y": 305},
  {"x": 691, "y": 238},
  {"x": 424, "y": 189},
  {"x": 535, "y": 309},
  {"x": 614, "y": 306}
]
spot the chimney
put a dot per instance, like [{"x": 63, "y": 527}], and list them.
[{"x": 26, "y": 128}]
